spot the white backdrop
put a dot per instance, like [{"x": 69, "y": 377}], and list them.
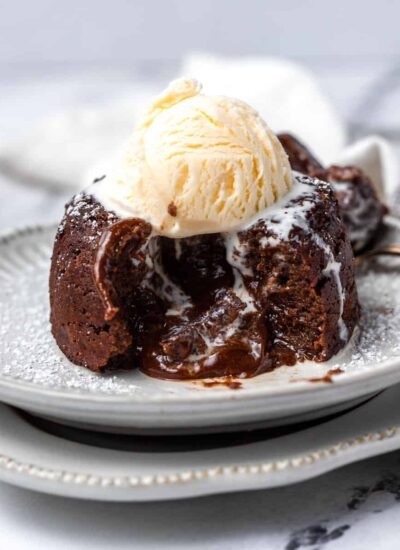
[{"x": 48, "y": 31}]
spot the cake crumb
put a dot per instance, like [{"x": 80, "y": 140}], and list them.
[{"x": 172, "y": 209}]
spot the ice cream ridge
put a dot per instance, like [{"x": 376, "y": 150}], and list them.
[
  {"x": 197, "y": 164},
  {"x": 201, "y": 253}
]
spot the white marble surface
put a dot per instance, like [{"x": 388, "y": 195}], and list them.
[{"x": 357, "y": 507}]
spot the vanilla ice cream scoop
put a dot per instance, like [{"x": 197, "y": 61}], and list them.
[{"x": 197, "y": 164}]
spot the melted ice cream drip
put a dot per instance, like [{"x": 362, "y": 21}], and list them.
[
  {"x": 178, "y": 300},
  {"x": 333, "y": 267},
  {"x": 236, "y": 259}
]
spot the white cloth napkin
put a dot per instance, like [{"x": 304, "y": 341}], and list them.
[
  {"x": 68, "y": 148},
  {"x": 61, "y": 150},
  {"x": 286, "y": 95}
]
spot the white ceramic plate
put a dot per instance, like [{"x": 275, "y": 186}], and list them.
[
  {"x": 35, "y": 376},
  {"x": 34, "y": 458}
]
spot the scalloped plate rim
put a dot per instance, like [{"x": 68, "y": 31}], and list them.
[{"x": 253, "y": 467}]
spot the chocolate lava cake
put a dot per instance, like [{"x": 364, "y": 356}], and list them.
[
  {"x": 279, "y": 290},
  {"x": 361, "y": 209}
]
